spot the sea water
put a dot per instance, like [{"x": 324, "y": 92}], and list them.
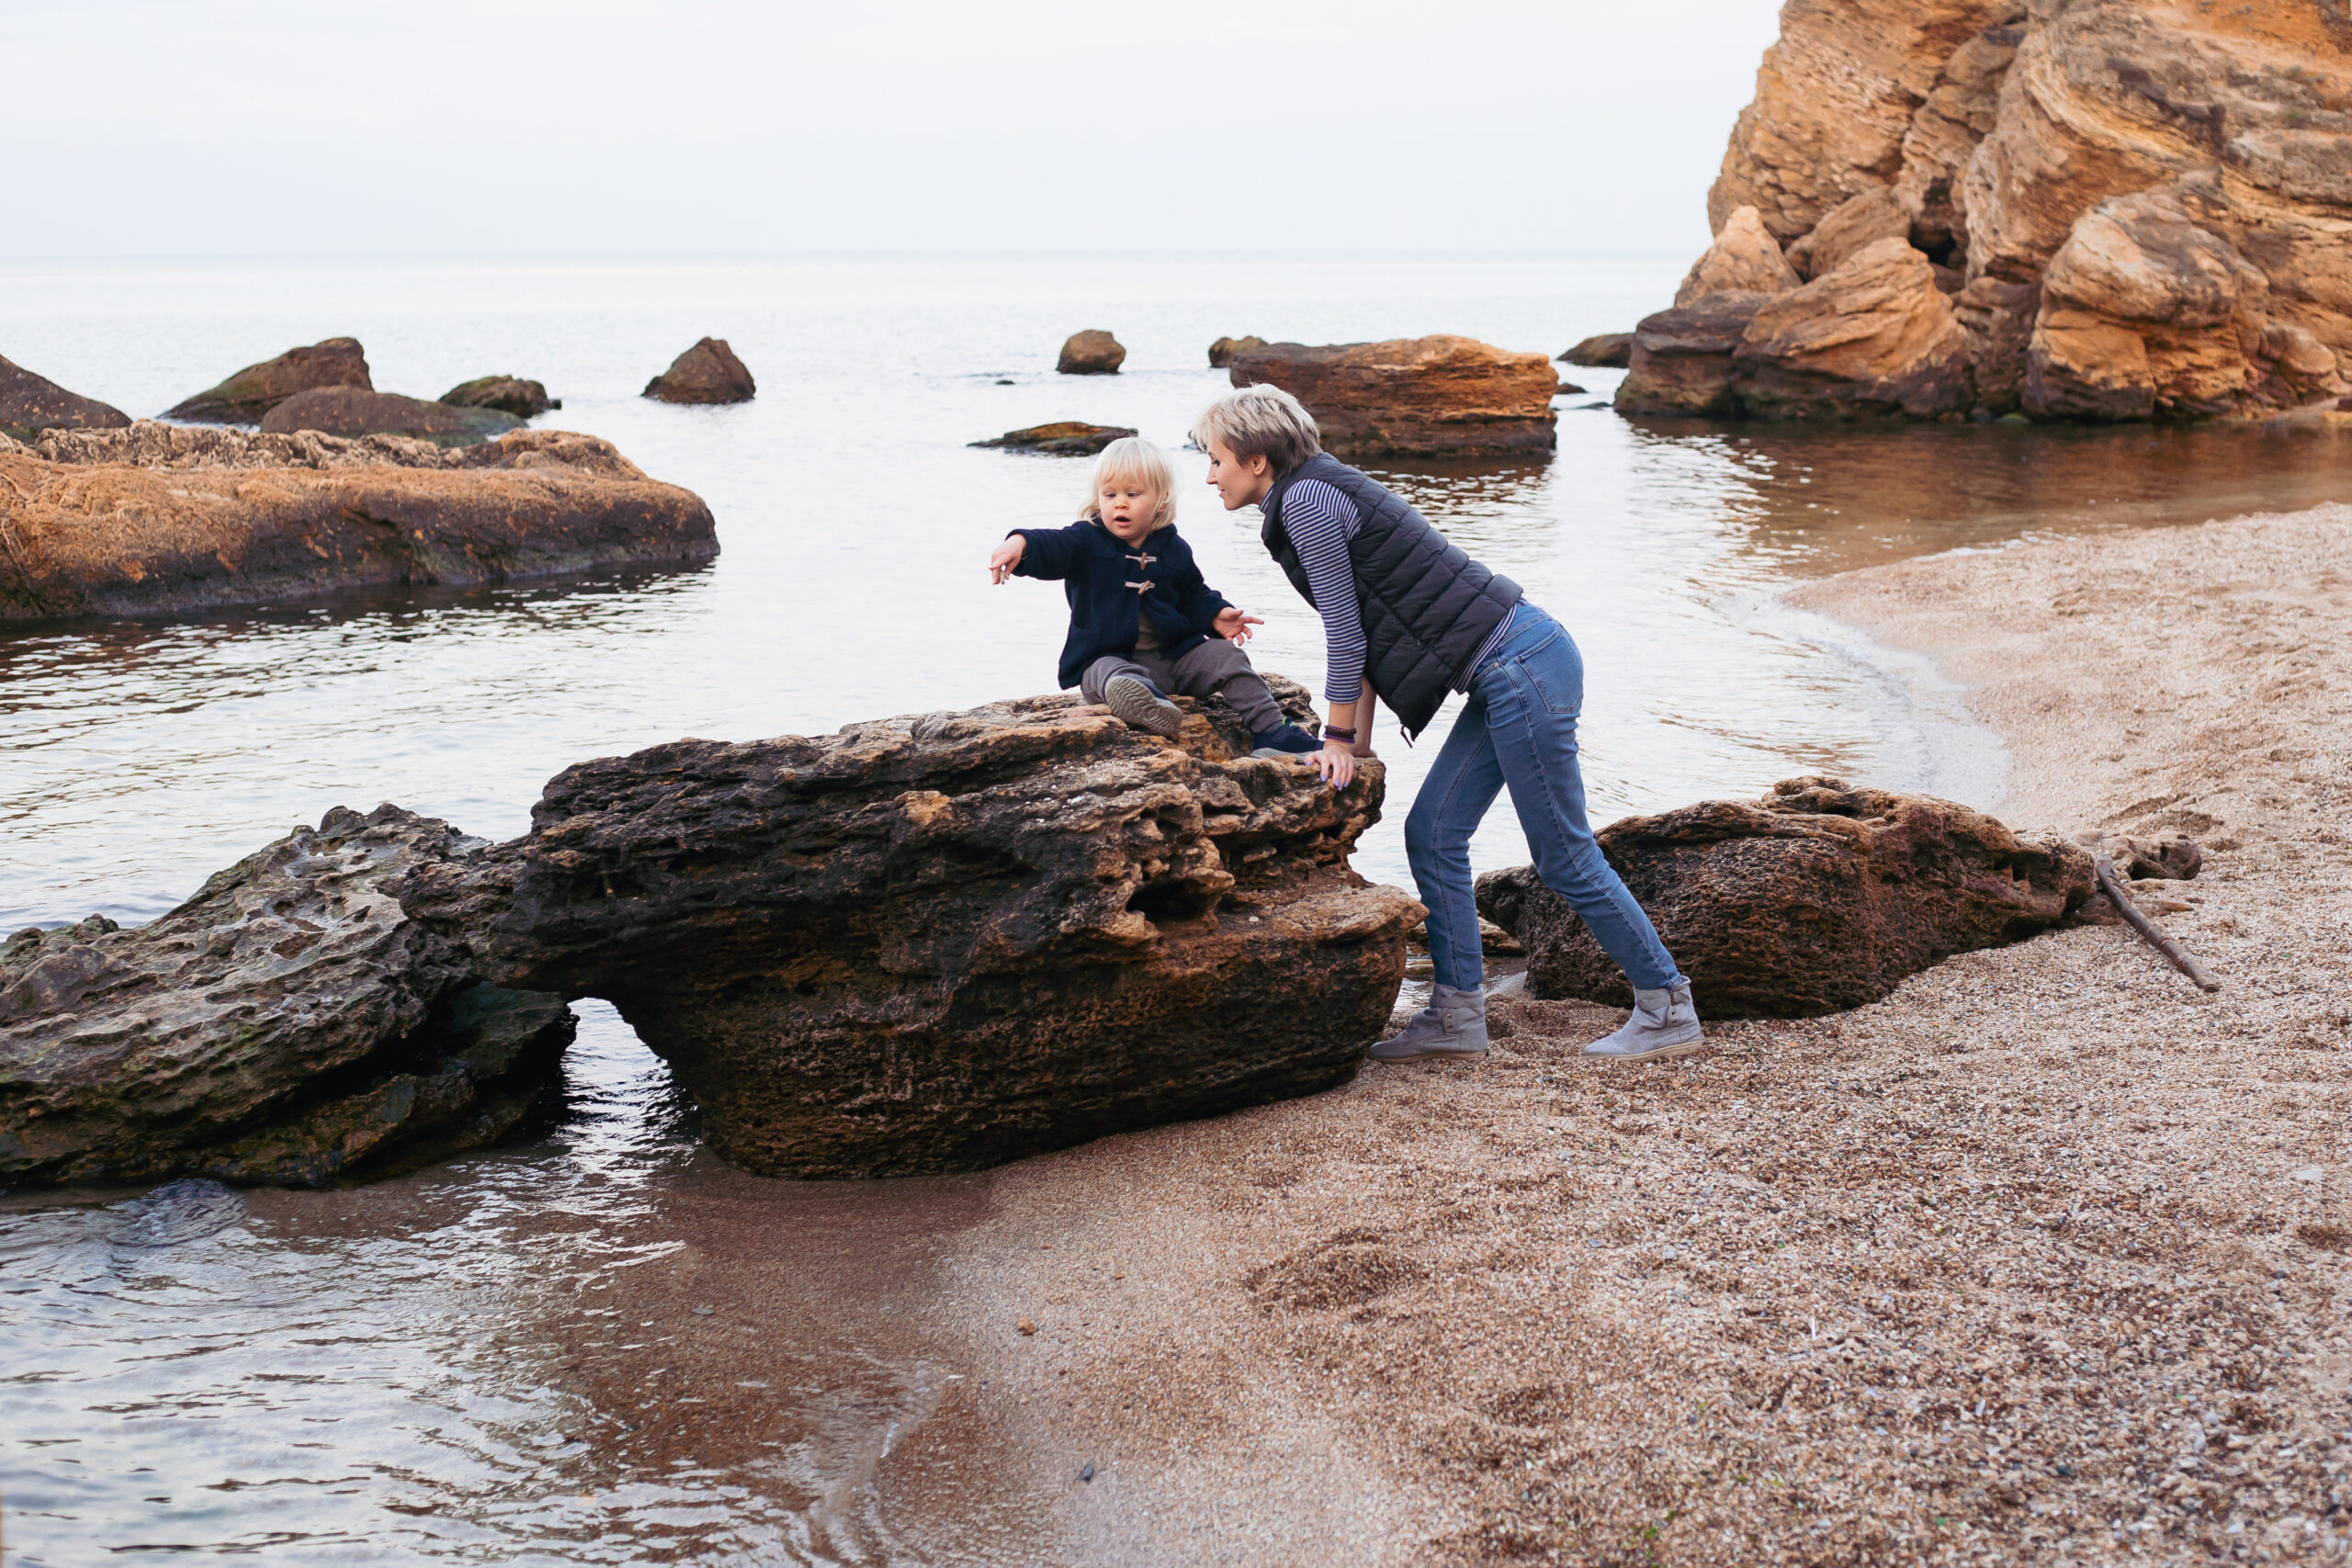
[{"x": 424, "y": 1368}]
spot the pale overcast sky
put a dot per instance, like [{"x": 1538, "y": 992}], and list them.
[{"x": 142, "y": 126}]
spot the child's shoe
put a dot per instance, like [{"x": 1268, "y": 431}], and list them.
[
  {"x": 1139, "y": 702},
  {"x": 1284, "y": 740}
]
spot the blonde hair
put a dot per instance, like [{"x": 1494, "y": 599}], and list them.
[
  {"x": 1262, "y": 420},
  {"x": 1133, "y": 457}
]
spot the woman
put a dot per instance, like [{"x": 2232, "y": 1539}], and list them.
[{"x": 1410, "y": 617}]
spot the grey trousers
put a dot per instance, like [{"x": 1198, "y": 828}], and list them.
[{"x": 1215, "y": 664}]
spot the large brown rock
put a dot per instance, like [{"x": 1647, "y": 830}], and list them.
[
  {"x": 1684, "y": 361},
  {"x": 1745, "y": 259},
  {"x": 158, "y": 517},
  {"x": 1875, "y": 337},
  {"x": 2052, "y": 158},
  {"x": 1815, "y": 898},
  {"x": 706, "y": 373},
  {"x": 30, "y": 403},
  {"x": 941, "y": 941},
  {"x": 252, "y": 392},
  {"x": 1092, "y": 352},
  {"x": 289, "y": 1024},
  {"x": 1602, "y": 351},
  {"x": 1222, "y": 351},
  {"x": 508, "y": 394},
  {"x": 351, "y": 410},
  {"x": 1836, "y": 99},
  {"x": 1428, "y": 397}
]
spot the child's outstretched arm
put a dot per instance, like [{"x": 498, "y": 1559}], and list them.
[{"x": 1037, "y": 552}]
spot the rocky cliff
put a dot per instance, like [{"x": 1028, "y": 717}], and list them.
[
  {"x": 2098, "y": 209},
  {"x": 157, "y": 517}
]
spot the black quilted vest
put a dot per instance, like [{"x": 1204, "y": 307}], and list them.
[{"x": 1427, "y": 608}]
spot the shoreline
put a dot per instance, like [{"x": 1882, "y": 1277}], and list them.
[{"x": 2028, "y": 1257}]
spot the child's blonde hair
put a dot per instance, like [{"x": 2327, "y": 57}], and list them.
[{"x": 1133, "y": 457}]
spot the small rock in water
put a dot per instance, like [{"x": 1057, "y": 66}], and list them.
[
  {"x": 187, "y": 1210},
  {"x": 508, "y": 394},
  {"x": 1092, "y": 352},
  {"x": 706, "y": 373},
  {"x": 1025, "y": 1327},
  {"x": 1067, "y": 437},
  {"x": 1222, "y": 351},
  {"x": 1087, "y": 1473}
]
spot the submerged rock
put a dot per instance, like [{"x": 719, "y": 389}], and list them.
[
  {"x": 941, "y": 941},
  {"x": 124, "y": 521},
  {"x": 1092, "y": 352},
  {"x": 30, "y": 403},
  {"x": 1816, "y": 898},
  {"x": 1067, "y": 437},
  {"x": 508, "y": 394},
  {"x": 252, "y": 392},
  {"x": 289, "y": 1024},
  {"x": 350, "y": 411},
  {"x": 1428, "y": 396},
  {"x": 706, "y": 373},
  {"x": 1602, "y": 351},
  {"x": 1222, "y": 351}
]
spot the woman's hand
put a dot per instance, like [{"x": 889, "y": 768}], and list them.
[
  {"x": 1335, "y": 764},
  {"x": 1006, "y": 556},
  {"x": 1234, "y": 626}
]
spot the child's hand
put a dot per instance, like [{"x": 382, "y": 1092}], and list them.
[
  {"x": 1234, "y": 626},
  {"x": 1006, "y": 556}
]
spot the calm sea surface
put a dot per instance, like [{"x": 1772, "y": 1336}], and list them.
[{"x": 456, "y": 1364}]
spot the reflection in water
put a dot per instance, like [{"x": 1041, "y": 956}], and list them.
[{"x": 606, "y": 1346}]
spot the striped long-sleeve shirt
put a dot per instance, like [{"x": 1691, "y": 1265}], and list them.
[{"x": 1321, "y": 523}]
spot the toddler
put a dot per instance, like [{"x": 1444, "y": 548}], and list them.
[{"x": 1142, "y": 622}]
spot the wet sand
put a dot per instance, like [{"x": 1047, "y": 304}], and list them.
[{"x": 2044, "y": 1258}]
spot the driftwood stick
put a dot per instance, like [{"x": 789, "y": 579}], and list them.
[{"x": 2113, "y": 884}]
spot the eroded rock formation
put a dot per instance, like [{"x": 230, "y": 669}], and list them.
[
  {"x": 1603, "y": 351},
  {"x": 1440, "y": 396},
  {"x": 1745, "y": 259},
  {"x": 30, "y": 404},
  {"x": 252, "y": 392},
  {"x": 158, "y": 517},
  {"x": 1815, "y": 898},
  {"x": 349, "y": 410},
  {"x": 289, "y": 1024},
  {"x": 2141, "y": 208},
  {"x": 1090, "y": 352},
  {"x": 706, "y": 373},
  {"x": 508, "y": 394},
  {"x": 941, "y": 941}
]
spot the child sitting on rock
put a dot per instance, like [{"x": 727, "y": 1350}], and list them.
[{"x": 1142, "y": 622}]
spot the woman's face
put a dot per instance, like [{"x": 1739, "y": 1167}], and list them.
[{"x": 1240, "y": 481}]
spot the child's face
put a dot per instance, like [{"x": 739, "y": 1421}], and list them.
[{"x": 1128, "y": 507}]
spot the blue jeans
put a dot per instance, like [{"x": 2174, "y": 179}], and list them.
[{"x": 1520, "y": 728}]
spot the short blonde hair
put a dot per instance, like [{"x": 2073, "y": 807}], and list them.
[
  {"x": 1133, "y": 457},
  {"x": 1262, "y": 420}
]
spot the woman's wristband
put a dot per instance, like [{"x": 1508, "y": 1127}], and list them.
[{"x": 1338, "y": 732}]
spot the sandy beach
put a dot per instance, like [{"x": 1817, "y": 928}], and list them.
[{"x": 2044, "y": 1258}]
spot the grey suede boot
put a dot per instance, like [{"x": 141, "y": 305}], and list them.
[
  {"x": 1664, "y": 1024},
  {"x": 1453, "y": 1024},
  {"x": 1135, "y": 701}
]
